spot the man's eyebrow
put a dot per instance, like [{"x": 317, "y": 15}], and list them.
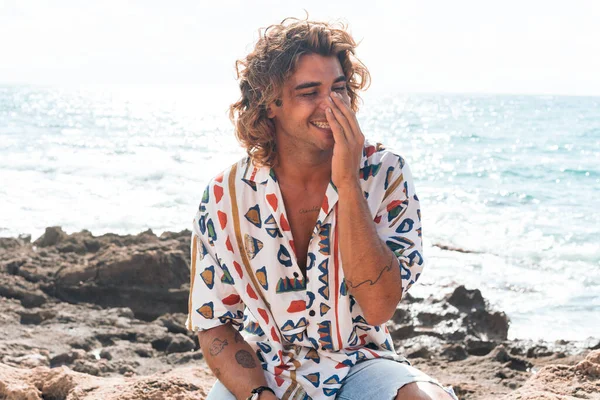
[{"x": 307, "y": 85}]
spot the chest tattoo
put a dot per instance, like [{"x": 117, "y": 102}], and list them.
[{"x": 309, "y": 210}]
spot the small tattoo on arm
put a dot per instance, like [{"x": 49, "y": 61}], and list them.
[
  {"x": 244, "y": 358},
  {"x": 369, "y": 281},
  {"x": 217, "y": 346},
  {"x": 217, "y": 372},
  {"x": 308, "y": 210}
]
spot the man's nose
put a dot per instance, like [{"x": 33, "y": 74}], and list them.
[{"x": 324, "y": 101}]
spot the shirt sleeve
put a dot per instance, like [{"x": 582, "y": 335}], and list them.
[
  {"x": 213, "y": 300},
  {"x": 398, "y": 221}
]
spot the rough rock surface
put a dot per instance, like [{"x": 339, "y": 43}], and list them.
[
  {"x": 581, "y": 381},
  {"x": 89, "y": 317}
]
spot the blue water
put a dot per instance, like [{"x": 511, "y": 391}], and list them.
[{"x": 514, "y": 180}]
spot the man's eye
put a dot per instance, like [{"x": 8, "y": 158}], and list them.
[{"x": 308, "y": 94}]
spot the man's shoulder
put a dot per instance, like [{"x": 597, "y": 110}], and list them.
[
  {"x": 225, "y": 174},
  {"x": 219, "y": 185},
  {"x": 376, "y": 155}
]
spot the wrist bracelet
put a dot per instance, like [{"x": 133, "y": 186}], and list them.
[{"x": 258, "y": 390}]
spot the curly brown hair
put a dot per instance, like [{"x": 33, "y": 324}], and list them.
[{"x": 261, "y": 75}]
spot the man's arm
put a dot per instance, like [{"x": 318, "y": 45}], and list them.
[
  {"x": 233, "y": 361},
  {"x": 371, "y": 269}
]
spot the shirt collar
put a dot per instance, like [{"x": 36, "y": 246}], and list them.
[
  {"x": 262, "y": 178},
  {"x": 256, "y": 176}
]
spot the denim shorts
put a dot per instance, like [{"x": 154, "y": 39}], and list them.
[{"x": 372, "y": 379}]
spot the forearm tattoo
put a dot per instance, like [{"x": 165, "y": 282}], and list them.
[
  {"x": 369, "y": 281},
  {"x": 245, "y": 359},
  {"x": 217, "y": 346}
]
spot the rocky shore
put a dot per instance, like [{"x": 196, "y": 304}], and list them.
[{"x": 102, "y": 317}]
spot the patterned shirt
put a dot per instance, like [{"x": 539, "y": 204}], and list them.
[{"x": 307, "y": 332}]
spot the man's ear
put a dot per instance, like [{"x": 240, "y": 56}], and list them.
[
  {"x": 270, "y": 113},
  {"x": 276, "y": 104}
]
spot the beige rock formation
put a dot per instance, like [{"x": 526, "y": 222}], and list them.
[{"x": 563, "y": 382}]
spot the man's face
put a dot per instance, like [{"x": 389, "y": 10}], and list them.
[{"x": 300, "y": 120}]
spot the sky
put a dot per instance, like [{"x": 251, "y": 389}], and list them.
[{"x": 459, "y": 46}]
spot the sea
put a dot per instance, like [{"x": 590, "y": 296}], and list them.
[{"x": 509, "y": 184}]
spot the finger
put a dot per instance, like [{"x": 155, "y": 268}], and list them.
[
  {"x": 342, "y": 120},
  {"x": 336, "y": 128},
  {"x": 347, "y": 112}
]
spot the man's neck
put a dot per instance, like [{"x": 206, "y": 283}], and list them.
[{"x": 303, "y": 171}]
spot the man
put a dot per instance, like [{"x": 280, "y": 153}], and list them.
[{"x": 302, "y": 250}]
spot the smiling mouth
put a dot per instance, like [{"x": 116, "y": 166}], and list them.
[{"x": 322, "y": 125}]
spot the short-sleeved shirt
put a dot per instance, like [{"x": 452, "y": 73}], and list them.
[{"x": 306, "y": 331}]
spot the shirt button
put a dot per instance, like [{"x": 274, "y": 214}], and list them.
[
  {"x": 311, "y": 313},
  {"x": 295, "y": 275}
]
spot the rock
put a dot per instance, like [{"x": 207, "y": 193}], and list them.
[
  {"x": 433, "y": 318},
  {"x": 15, "y": 287},
  {"x": 592, "y": 343},
  {"x": 150, "y": 283},
  {"x": 466, "y": 300},
  {"x": 179, "y": 358},
  {"x": 479, "y": 347},
  {"x": 36, "y": 317},
  {"x": 10, "y": 243},
  {"x": 563, "y": 382},
  {"x": 51, "y": 237},
  {"x": 72, "y": 246},
  {"x": 101, "y": 367},
  {"x": 183, "y": 383},
  {"x": 175, "y": 323},
  {"x": 162, "y": 343},
  {"x": 13, "y": 387},
  {"x": 32, "y": 273},
  {"x": 518, "y": 364},
  {"x": 403, "y": 332},
  {"x": 28, "y": 361},
  {"x": 25, "y": 237},
  {"x": 67, "y": 358},
  {"x": 487, "y": 326},
  {"x": 455, "y": 353},
  {"x": 108, "y": 338},
  {"x": 12, "y": 266},
  {"x": 401, "y": 316},
  {"x": 185, "y": 234},
  {"x": 501, "y": 374},
  {"x": 144, "y": 352},
  {"x": 127, "y": 370},
  {"x": 84, "y": 343},
  {"x": 539, "y": 351},
  {"x": 180, "y": 344},
  {"x": 590, "y": 366},
  {"x": 419, "y": 352},
  {"x": 465, "y": 390},
  {"x": 409, "y": 298},
  {"x": 500, "y": 354}
]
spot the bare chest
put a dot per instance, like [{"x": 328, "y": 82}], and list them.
[{"x": 302, "y": 210}]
